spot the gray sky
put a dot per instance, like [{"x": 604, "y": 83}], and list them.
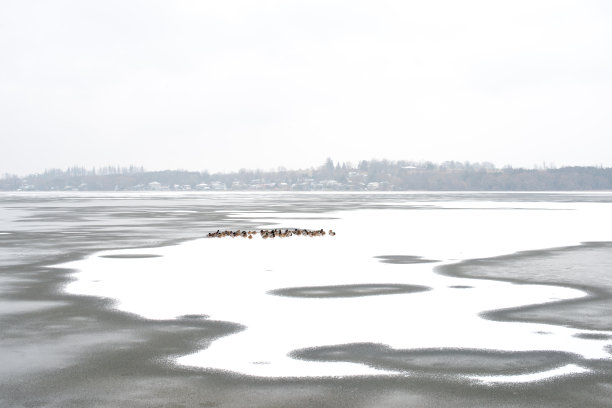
[{"x": 224, "y": 85}]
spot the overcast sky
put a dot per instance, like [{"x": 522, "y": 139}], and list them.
[{"x": 224, "y": 85}]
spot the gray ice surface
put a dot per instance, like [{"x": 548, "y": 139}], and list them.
[{"x": 75, "y": 351}]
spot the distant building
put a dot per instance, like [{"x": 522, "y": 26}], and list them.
[
  {"x": 217, "y": 185},
  {"x": 237, "y": 185},
  {"x": 154, "y": 185}
]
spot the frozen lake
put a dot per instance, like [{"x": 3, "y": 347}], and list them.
[{"x": 313, "y": 307}]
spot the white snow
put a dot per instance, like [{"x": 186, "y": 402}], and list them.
[{"x": 228, "y": 279}]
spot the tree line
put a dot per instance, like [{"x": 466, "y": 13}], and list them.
[{"x": 365, "y": 175}]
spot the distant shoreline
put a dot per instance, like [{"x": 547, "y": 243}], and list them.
[{"x": 369, "y": 176}]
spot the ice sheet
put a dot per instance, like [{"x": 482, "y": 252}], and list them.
[
  {"x": 229, "y": 279},
  {"x": 533, "y": 377}
]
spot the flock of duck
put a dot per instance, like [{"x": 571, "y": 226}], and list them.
[{"x": 273, "y": 233}]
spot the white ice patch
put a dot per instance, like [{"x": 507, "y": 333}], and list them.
[
  {"x": 229, "y": 279},
  {"x": 533, "y": 377}
]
